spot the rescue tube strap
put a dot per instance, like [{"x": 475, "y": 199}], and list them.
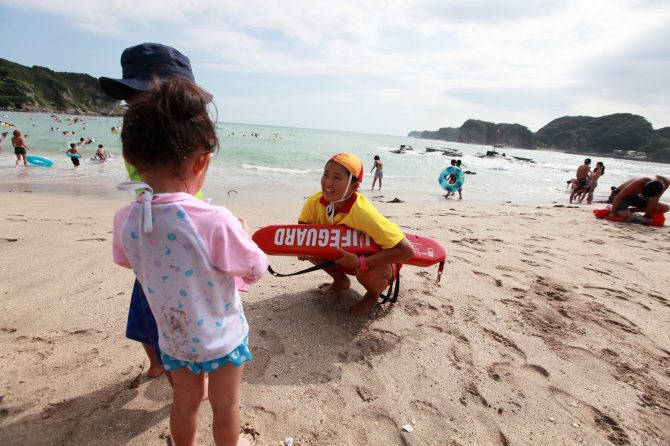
[
  {"x": 388, "y": 298},
  {"x": 391, "y": 295},
  {"x": 303, "y": 271}
]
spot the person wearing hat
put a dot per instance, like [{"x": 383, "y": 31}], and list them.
[
  {"x": 141, "y": 64},
  {"x": 340, "y": 203}
]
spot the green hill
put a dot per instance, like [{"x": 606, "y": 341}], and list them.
[
  {"x": 474, "y": 131},
  {"x": 621, "y": 135},
  {"x": 41, "y": 89}
]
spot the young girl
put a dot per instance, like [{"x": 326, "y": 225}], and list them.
[
  {"x": 186, "y": 253},
  {"x": 595, "y": 175},
  {"x": 20, "y": 148},
  {"x": 378, "y": 167},
  {"x": 339, "y": 203}
]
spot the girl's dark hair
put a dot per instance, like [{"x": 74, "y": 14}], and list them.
[
  {"x": 167, "y": 124},
  {"x": 602, "y": 167},
  {"x": 376, "y": 157}
]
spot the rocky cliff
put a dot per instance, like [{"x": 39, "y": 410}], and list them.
[
  {"x": 41, "y": 89},
  {"x": 622, "y": 134},
  {"x": 474, "y": 131}
]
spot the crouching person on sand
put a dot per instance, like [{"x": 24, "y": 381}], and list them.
[
  {"x": 340, "y": 203},
  {"x": 640, "y": 194}
]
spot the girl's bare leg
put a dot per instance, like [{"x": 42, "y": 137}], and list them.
[
  {"x": 187, "y": 395},
  {"x": 224, "y": 396}
]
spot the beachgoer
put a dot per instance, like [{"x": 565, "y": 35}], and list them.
[
  {"x": 73, "y": 154},
  {"x": 2, "y": 138},
  {"x": 379, "y": 172},
  {"x": 451, "y": 179},
  {"x": 186, "y": 254},
  {"x": 583, "y": 173},
  {"x": 100, "y": 154},
  {"x": 593, "y": 181},
  {"x": 460, "y": 189},
  {"x": 640, "y": 194},
  {"x": 339, "y": 203},
  {"x": 582, "y": 176},
  {"x": 139, "y": 63},
  {"x": 20, "y": 148}
]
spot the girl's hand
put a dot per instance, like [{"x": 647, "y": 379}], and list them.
[
  {"x": 348, "y": 260},
  {"x": 244, "y": 224}
]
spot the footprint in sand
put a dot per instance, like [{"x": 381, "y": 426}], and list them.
[
  {"x": 385, "y": 428},
  {"x": 460, "y": 352},
  {"x": 505, "y": 341},
  {"x": 269, "y": 345},
  {"x": 497, "y": 282},
  {"x": 605, "y": 423}
]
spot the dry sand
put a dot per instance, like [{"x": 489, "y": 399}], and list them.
[{"x": 549, "y": 327}]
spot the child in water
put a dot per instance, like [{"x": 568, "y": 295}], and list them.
[
  {"x": 186, "y": 254},
  {"x": 73, "y": 154},
  {"x": 339, "y": 203}
]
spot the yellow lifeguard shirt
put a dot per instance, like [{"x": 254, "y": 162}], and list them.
[{"x": 358, "y": 213}]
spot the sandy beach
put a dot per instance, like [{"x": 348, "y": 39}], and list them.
[{"x": 548, "y": 327}]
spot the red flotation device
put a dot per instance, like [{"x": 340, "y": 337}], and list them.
[
  {"x": 656, "y": 219},
  {"x": 322, "y": 241}
]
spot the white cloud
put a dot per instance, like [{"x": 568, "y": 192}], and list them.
[{"x": 520, "y": 61}]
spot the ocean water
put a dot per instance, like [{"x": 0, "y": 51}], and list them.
[{"x": 286, "y": 162}]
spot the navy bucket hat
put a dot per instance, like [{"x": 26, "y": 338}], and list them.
[{"x": 139, "y": 64}]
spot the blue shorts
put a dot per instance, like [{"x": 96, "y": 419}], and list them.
[
  {"x": 141, "y": 325},
  {"x": 237, "y": 357}
]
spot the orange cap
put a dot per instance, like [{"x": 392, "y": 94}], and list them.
[{"x": 350, "y": 162}]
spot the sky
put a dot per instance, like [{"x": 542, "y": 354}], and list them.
[{"x": 373, "y": 66}]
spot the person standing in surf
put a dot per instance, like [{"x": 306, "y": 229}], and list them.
[
  {"x": 20, "y": 148},
  {"x": 378, "y": 167},
  {"x": 74, "y": 154}
]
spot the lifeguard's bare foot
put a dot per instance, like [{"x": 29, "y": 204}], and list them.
[
  {"x": 366, "y": 304},
  {"x": 337, "y": 284}
]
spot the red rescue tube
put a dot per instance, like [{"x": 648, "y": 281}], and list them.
[{"x": 322, "y": 241}]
